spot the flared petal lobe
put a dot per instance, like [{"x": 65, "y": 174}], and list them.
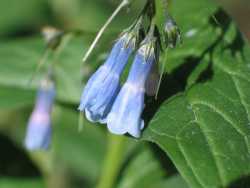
[
  {"x": 38, "y": 135},
  {"x": 103, "y": 86},
  {"x": 125, "y": 115}
]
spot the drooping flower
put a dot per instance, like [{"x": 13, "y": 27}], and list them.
[
  {"x": 125, "y": 115},
  {"x": 103, "y": 86},
  {"x": 38, "y": 134}
]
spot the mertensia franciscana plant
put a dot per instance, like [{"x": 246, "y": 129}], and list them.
[{"x": 104, "y": 100}]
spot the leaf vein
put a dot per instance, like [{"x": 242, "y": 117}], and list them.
[
  {"x": 213, "y": 153},
  {"x": 222, "y": 114},
  {"x": 183, "y": 154},
  {"x": 189, "y": 163},
  {"x": 244, "y": 105},
  {"x": 161, "y": 134},
  {"x": 223, "y": 95}
]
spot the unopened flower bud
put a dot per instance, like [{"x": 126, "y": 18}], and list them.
[
  {"x": 52, "y": 36},
  {"x": 172, "y": 33}
]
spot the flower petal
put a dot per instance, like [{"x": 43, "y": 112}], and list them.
[
  {"x": 125, "y": 115},
  {"x": 126, "y": 111},
  {"x": 103, "y": 86},
  {"x": 38, "y": 133}
]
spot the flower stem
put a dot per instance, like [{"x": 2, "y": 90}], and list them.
[
  {"x": 113, "y": 161},
  {"x": 99, "y": 34},
  {"x": 80, "y": 121},
  {"x": 41, "y": 62},
  {"x": 161, "y": 73}
]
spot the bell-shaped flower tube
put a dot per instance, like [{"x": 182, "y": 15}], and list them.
[
  {"x": 38, "y": 134},
  {"x": 125, "y": 115},
  {"x": 103, "y": 86}
]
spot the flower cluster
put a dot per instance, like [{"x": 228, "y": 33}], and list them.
[
  {"x": 125, "y": 115},
  {"x": 38, "y": 133},
  {"x": 105, "y": 101}
]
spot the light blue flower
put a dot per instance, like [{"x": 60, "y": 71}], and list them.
[
  {"x": 38, "y": 134},
  {"x": 103, "y": 86},
  {"x": 125, "y": 115}
]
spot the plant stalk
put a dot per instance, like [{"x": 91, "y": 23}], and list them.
[{"x": 113, "y": 161}]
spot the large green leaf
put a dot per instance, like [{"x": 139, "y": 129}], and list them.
[
  {"x": 142, "y": 171},
  {"x": 77, "y": 14},
  {"x": 81, "y": 152},
  {"x": 175, "y": 181},
  {"x": 77, "y": 154},
  {"x": 18, "y": 61},
  {"x": 22, "y": 17},
  {"x": 17, "y": 70},
  {"x": 206, "y": 130},
  {"x": 21, "y": 182},
  {"x": 145, "y": 170},
  {"x": 198, "y": 25},
  {"x": 15, "y": 98}
]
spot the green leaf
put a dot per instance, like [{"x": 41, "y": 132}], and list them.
[
  {"x": 17, "y": 70},
  {"x": 6, "y": 182},
  {"x": 16, "y": 16},
  {"x": 76, "y": 14},
  {"x": 142, "y": 171},
  {"x": 68, "y": 73},
  {"x": 81, "y": 152},
  {"x": 15, "y": 98},
  {"x": 175, "y": 181},
  {"x": 206, "y": 130},
  {"x": 19, "y": 60},
  {"x": 77, "y": 154},
  {"x": 198, "y": 29},
  {"x": 145, "y": 170}
]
